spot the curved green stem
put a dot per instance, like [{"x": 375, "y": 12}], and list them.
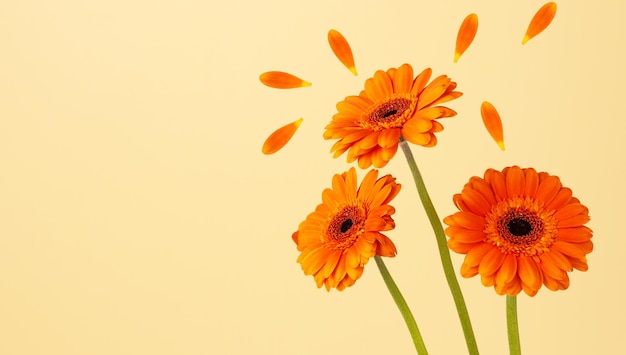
[
  {"x": 402, "y": 306},
  {"x": 511, "y": 325},
  {"x": 444, "y": 253}
]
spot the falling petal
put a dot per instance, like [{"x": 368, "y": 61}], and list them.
[
  {"x": 282, "y": 80},
  {"x": 466, "y": 35},
  {"x": 540, "y": 21},
  {"x": 342, "y": 50},
  {"x": 492, "y": 122},
  {"x": 280, "y": 137}
]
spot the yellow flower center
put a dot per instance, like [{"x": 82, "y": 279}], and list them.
[
  {"x": 345, "y": 227},
  {"x": 521, "y": 226},
  {"x": 391, "y": 112}
]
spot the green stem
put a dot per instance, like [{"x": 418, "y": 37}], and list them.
[
  {"x": 402, "y": 306},
  {"x": 511, "y": 325},
  {"x": 444, "y": 253}
]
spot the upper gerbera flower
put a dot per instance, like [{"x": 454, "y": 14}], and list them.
[
  {"x": 519, "y": 229},
  {"x": 337, "y": 240},
  {"x": 393, "y": 105}
]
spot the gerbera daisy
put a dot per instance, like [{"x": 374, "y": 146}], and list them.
[
  {"x": 344, "y": 232},
  {"x": 519, "y": 229},
  {"x": 393, "y": 105}
]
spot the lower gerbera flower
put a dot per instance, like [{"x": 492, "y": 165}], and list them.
[
  {"x": 393, "y": 105},
  {"x": 519, "y": 230},
  {"x": 344, "y": 232}
]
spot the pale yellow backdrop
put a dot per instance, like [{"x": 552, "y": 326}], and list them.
[{"x": 138, "y": 215}]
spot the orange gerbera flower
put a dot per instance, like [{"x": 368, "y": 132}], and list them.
[
  {"x": 519, "y": 229},
  {"x": 393, "y": 105},
  {"x": 337, "y": 240}
]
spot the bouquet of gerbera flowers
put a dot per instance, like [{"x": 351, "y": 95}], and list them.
[{"x": 518, "y": 228}]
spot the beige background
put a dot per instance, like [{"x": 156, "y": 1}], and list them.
[{"x": 138, "y": 215}]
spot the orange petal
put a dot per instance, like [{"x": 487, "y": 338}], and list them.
[
  {"x": 280, "y": 137},
  {"x": 530, "y": 274},
  {"x": 466, "y": 35},
  {"x": 342, "y": 50},
  {"x": 492, "y": 122},
  {"x": 540, "y": 21},
  {"x": 415, "y": 137},
  {"x": 507, "y": 271},
  {"x": 282, "y": 80},
  {"x": 294, "y": 236},
  {"x": 385, "y": 247},
  {"x": 515, "y": 182}
]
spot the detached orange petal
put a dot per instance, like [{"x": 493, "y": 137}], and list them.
[
  {"x": 540, "y": 21},
  {"x": 282, "y": 80},
  {"x": 341, "y": 48},
  {"x": 280, "y": 137},
  {"x": 466, "y": 35},
  {"x": 492, "y": 122}
]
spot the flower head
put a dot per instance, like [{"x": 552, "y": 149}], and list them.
[
  {"x": 519, "y": 229},
  {"x": 344, "y": 231},
  {"x": 394, "y": 104}
]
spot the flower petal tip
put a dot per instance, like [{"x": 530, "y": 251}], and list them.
[
  {"x": 543, "y": 17},
  {"x": 280, "y": 137},
  {"x": 501, "y": 145},
  {"x": 466, "y": 35},
  {"x": 282, "y": 80},
  {"x": 342, "y": 50}
]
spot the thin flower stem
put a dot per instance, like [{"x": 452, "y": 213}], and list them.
[
  {"x": 444, "y": 253},
  {"x": 402, "y": 306},
  {"x": 511, "y": 325}
]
